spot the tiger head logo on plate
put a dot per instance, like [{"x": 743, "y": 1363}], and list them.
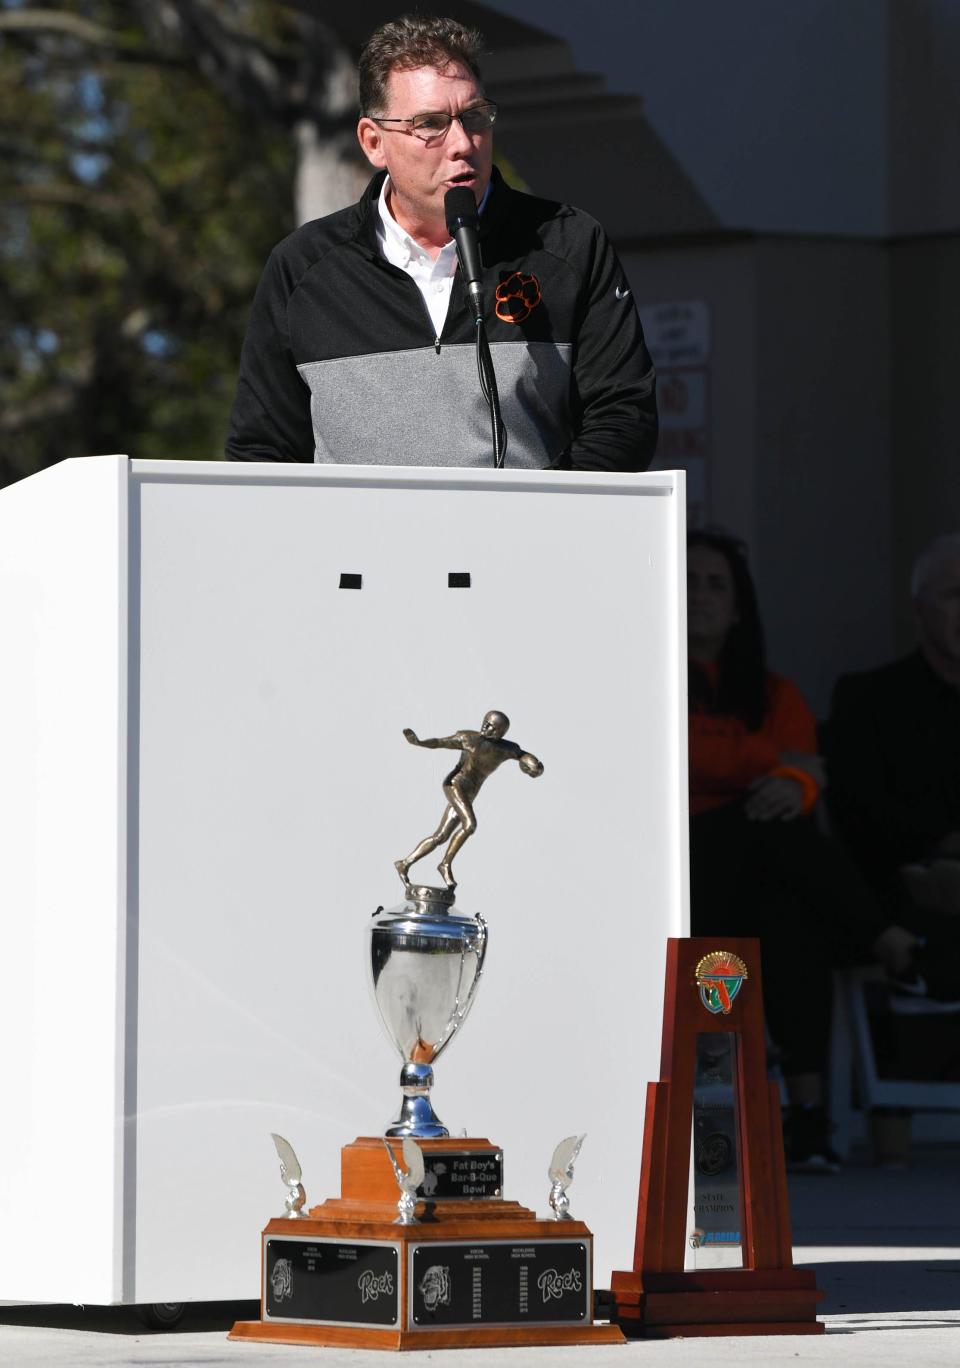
[
  {"x": 281, "y": 1280},
  {"x": 435, "y": 1287}
]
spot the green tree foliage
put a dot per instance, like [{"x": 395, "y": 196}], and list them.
[{"x": 138, "y": 203}]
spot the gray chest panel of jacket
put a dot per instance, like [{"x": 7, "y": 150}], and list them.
[{"x": 420, "y": 407}]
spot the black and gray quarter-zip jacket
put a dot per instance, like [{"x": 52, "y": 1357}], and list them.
[{"x": 340, "y": 362}]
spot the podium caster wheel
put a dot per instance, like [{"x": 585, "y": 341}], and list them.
[{"x": 161, "y": 1315}]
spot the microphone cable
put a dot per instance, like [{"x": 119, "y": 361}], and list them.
[
  {"x": 460, "y": 209},
  {"x": 488, "y": 388}
]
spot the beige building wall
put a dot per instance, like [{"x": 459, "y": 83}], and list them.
[
  {"x": 722, "y": 275},
  {"x": 824, "y": 457},
  {"x": 834, "y": 426},
  {"x": 800, "y": 454},
  {"x": 923, "y": 117}
]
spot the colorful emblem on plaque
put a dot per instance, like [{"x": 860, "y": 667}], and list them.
[{"x": 720, "y": 976}]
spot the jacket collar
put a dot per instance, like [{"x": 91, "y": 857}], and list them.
[{"x": 496, "y": 210}]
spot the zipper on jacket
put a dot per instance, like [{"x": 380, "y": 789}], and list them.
[{"x": 423, "y": 303}]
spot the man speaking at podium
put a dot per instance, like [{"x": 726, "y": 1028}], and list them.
[{"x": 361, "y": 341}]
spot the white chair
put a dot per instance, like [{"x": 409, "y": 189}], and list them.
[{"x": 853, "y": 1063}]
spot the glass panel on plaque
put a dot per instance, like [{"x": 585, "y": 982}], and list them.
[{"x": 715, "y": 1236}]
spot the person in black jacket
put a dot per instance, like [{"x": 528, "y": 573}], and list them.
[
  {"x": 360, "y": 346},
  {"x": 894, "y": 767}
]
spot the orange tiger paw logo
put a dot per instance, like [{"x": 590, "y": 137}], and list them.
[{"x": 517, "y": 297}]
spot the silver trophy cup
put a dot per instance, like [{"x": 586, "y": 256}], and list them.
[{"x": 425, "y": 962}]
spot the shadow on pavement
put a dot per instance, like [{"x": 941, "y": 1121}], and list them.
[
  {"x": 864, "y": 1206},
  {"x": 888, "y": 1286},
  {"x": 123, "y": 1320}
]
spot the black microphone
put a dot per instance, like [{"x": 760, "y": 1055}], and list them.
[{"x": 462, "y": 224}]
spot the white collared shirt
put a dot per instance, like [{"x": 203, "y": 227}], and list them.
[{"x": 432, "y": 277}]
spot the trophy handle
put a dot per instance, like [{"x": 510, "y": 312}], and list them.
[
  {"x": 479, "y": 948},
  {"x": 482, "y": 945}
]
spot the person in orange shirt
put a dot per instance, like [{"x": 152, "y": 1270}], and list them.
[{"x": 759, "y": 865}]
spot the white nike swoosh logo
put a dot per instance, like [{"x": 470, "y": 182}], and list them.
[{"x": 621, "y": 293}]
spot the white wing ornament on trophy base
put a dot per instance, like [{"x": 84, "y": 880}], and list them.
[
  {"x": 560, "y": 1174},
  {"x": 409, "y": 1180},
  {"x": 291, "y": 1175}
]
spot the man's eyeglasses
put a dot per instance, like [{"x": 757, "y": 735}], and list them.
[{"x": 432, "y": 127}]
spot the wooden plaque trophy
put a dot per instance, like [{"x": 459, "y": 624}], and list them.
[
  {"x": 714, "y": 1090},
  {"x": 452, "y": 1262}
]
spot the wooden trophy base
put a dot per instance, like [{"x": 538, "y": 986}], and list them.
[
  {"x": 467, "y": 1337},
  {"x": 474, "y": 1270},
  {"x": 728, "y": 1301}
]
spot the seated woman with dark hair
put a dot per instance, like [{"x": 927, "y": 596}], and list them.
[{"x": 759, "y": 866}]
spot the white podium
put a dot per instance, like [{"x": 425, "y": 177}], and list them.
[{"x": 204, "y": 784}]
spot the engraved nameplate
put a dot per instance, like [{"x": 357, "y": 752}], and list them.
[
  {"x": 462, "y": 1175},
  {"x": 716, "y": 1154},
  {"x": 331, "y": 1282},
  {"x": 499, "y": 1282}
]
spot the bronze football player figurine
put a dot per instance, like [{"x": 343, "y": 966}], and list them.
[{"x": 482, "y": 752}]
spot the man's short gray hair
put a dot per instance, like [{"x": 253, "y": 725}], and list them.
[{"x": 931, "y": 558}]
